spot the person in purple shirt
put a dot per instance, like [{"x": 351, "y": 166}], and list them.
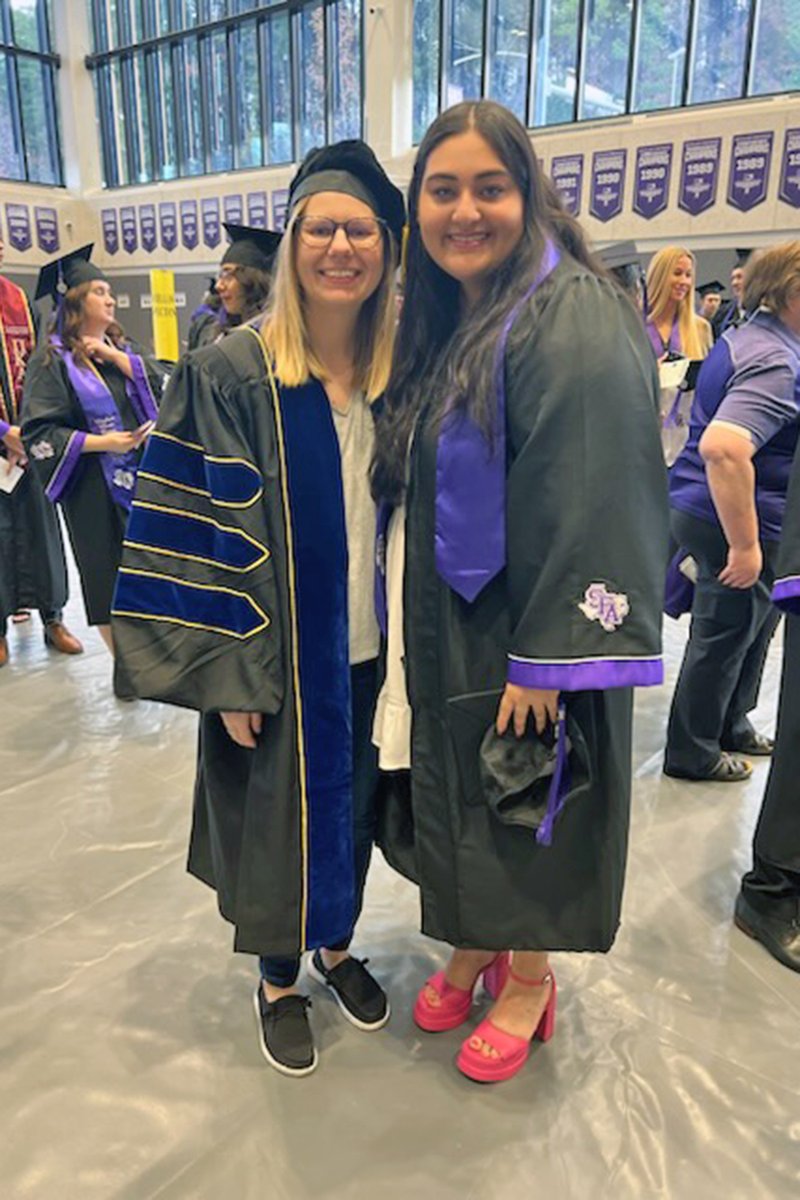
[{"x": 728, "y": 494}]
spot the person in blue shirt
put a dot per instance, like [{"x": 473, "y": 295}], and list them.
[{"x": 728, "y": 495}]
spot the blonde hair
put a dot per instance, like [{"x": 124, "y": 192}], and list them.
[
  {"x": 772, "y": 277},
  {"x": 695, "y": 331},
  {"x": 286, "y": 333}
]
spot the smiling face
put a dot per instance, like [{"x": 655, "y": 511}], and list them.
[
  {"x": 471, "y": 211},
  {"x": 681, "y": 278},
  {"x": 737, "y": 282},
  {"x": 99, "y": 305},
  {"x": 338, "y": 273}
]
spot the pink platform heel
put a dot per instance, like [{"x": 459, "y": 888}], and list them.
[
  {"x": 512, "y": 1051},
  {"x": 456, "y": 1002}
]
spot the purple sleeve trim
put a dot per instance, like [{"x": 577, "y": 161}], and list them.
[
  {"x": 61, "y": 477},
  {"x": 144, "y": 393},
  {"x": 595, "y": 674},
  {"x": 786, "y": 593},
  {"x": 4, "y": 428}
]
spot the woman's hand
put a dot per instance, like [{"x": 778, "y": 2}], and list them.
[
  {"x": 242, "y": 728},
  {"x": 518, "y": 701},
  {"x": 99, "y": 349},
  {"x": 16, "y": 450},
  {"x": 119, "y": 441},
  {"x": 743, "y": 567}
]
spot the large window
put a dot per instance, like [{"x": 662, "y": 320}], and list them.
[
  {"x": 190, "y": 87},
  {"x": 29, "y": 143},
  {"x": 556, "y": 61}
]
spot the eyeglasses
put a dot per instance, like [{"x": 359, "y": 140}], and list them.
[{"x": 363, "y": 233}]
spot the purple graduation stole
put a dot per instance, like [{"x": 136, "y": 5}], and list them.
[
  {"x": 470, "y": 538},
  {"x": 102, "y": 416},
  {"x": 674, "y": 343}
]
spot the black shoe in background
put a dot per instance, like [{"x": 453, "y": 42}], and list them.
[
  {"x": 360, "y": 997},
  {"x": 778, "y": 933},
  {"x": 287, "y": 1042}
]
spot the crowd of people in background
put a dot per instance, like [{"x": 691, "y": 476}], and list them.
[{"x": 225, "y": 537}]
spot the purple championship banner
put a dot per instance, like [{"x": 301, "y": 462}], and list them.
[
  {"x": 280, "y": 203},
  {"x": 211, "y": 226},
  {"x": 789, "y": 190},
  {"x": 751, "y": 156},
  {"x": 566, "y": 172},
  {"x": 699, "y": 175},
  {"x": 168, "y": 223},
  {"x": 130, "y": 238},
  {"x": 257, "y": 210},
  {"x": 147, "y": 227},
  {"x": 189, "y": 227},
  {"x": 18, "y": 224},
  {"x": 233, "y": 209},
  {"x": 651, "y": 180},
  {"x": 608, "y": 184},
  {"x": 108, "y": 219},
  {"x": 46, "y": 221}
]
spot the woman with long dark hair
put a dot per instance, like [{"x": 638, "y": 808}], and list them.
[
  {"x": 90, "y": 399},
  {"x": 520, "y": 431}
]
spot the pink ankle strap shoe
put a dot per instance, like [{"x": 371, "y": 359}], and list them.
[
  {"x": 512, "y": 1052},
  {"x": 456, "y": 1003}
]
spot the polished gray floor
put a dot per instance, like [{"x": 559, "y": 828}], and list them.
[{"x": 130, "y": 1067}]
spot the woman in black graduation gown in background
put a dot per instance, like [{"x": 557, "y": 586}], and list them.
[
  {"x": 768, "y": 904},
  {"x": 246, "y": 593},
  {"x": 536, "y": 539},
  {"x": 242, "y": 286},
  {"x": 90, "y": 399}
]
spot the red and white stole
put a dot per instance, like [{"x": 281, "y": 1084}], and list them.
[{"x": 16, "y": 344}]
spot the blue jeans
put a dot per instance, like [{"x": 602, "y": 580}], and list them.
[{"x": 283, "y": 972}]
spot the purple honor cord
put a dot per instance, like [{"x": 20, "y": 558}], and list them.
[
  {"x": 470, "y": 537},
  {"x": 559, "y": 784}
]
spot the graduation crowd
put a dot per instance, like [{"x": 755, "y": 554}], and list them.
[{"x": 409, "y": 571}]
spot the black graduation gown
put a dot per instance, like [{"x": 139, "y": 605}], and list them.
[
  {"x": 776, "y": 845},
  {"x": 33, "y": 571},
  {"x": 586, "y": 502},
  {"x": 233, "y": 596},
  {"x": 96, "y": 524}
]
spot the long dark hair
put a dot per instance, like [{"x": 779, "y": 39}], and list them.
[
  {"x": 440, "y": 350},
  {"x": 71, "y": 325}
]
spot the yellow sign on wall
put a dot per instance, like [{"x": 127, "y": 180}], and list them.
[{"x": 165, "y": 315}]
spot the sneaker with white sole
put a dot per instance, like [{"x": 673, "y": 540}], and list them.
[
  {"x": 287, "y": 1042},
  {"x": 359, "y": 995}
]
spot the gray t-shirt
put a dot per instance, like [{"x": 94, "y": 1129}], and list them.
[{"x": 355, "y": 430}]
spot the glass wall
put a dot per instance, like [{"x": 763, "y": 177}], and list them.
[
  {"x": 557, "y": 61},
  {"x": 189, "y": 87},
  {"x": 29, "y": 140}
]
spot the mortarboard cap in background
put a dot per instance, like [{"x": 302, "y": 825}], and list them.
[
  {"x": 742, "y": 257},
  {"x": 620, "y": 254},
  {"x": 713, "y": 287},
  {"x": 69, "y": 271},
  {"x": 250, "y": 247}
]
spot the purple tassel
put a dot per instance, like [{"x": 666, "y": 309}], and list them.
[{"x": 559, "y": 784}]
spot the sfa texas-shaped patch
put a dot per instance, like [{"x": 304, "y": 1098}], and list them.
[{"x": 609, "y": 608}]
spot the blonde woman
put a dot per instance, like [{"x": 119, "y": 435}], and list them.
[
  {"x": 674, "y": 328},
  {"x": 676, "y": 332},
  {"x": 247, "y": 594}
]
